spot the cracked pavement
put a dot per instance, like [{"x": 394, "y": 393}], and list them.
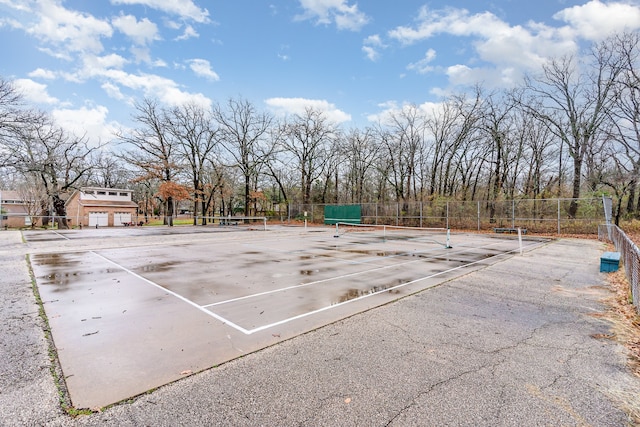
[{"x": 508, "y": 345}]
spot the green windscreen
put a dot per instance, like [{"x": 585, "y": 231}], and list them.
[{"x": 342, "y": 213}]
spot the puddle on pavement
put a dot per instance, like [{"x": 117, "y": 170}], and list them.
[
  {"x": 160, "y": 267},
  {"x": 55, "y": 260},
  {"x": 354, "y": 293}
]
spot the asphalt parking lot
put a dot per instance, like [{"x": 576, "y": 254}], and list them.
[{"x": 512, "y": 343}]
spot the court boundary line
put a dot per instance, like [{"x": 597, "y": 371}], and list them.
[
  {"x": 170, "y": 292},
  {"x": 225, "y": 321},
  {"x": 384, "y": 267},
  {"x": 300, "y": 316}
]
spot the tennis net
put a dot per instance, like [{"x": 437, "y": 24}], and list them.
[
  {"x": 368, "y": 232},
  {"x": 232, "y": 220}
]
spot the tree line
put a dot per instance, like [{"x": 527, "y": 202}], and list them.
[{"x": 568, "y": 130}]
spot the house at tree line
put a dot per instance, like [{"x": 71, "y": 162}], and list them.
[
  {"x": 15, "y": 210},
  {"x": 104, "y": 207}
]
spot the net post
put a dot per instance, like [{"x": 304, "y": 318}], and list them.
[
  {"x": 265, "y": 223},
  {"x": 448, "y": 246},
  {"x": 337, "y": 233},
  {"x": 520, "y": 239}
]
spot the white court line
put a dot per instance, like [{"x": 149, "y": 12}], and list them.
[
  {"x": 61, "y": 235},
  {"x": 273, "y": 291},
  {"x": 180, "y": 297},
  {"x": 290, "y": 319},
  {"x": 300, "y": 316}
]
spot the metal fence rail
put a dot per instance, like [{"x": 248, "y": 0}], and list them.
[
  {"x": 629, "y": 254},
  {"x": 536, "y": 215}
]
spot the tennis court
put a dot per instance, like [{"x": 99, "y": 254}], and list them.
[{"x": 131, "y": 309}]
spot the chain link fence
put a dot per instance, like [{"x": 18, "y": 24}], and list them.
[
  {"x": 535, "y": 215},
  {"x": 629, "y": 254}
]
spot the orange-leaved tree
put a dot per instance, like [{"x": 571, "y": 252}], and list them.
[{"x": 172, "y": 192}]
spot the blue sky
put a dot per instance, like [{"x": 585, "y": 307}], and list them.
[{"x": 87, "y": 61}]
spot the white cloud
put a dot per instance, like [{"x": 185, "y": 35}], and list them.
[
  {"x": 202, "y": 68},
  {"x": 371, "y": 53},
  {"x": 422, "y": 66},
  {"x": 504, "y": 53},
  {"x": 389, "y": 109},
  {"x": 326, "y": 12},
  {"x": 94, "y": 66},
  {"x": 189, "y": 33},
  {"x": 141, "y": 32},
  {"x": 159, "y": 63},
  {"x": 186, "y": 9},
  {"x": 165, "y": 90},
  {"x": 371, "y": 46},
  {"x": 285, "y": 106},
  {"x": 41, "y": 73},
  {"x": 113, "y": 91},
  {"x": 67, "y": 30},
  {"x": 495, "y": 42},
  {"x": 34, "y": 92},
  {"x": 172, "y": 24},
  {"x": 141, "y": 54},
  {"x": 20, "y": 5},
  {"x": 596, "y": 20},
  {"x": 88, "y": 122}
]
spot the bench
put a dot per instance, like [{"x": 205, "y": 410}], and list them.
[
  {"x": 223, "y": 222},
  {"x": 509, "y": 230}
]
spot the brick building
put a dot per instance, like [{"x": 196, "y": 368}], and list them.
[
  {"x": 104, "y": 207},
  {"x": 15, "y": 210}
]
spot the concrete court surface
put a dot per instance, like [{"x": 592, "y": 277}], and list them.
[
  {"x": 510, "y": 344},
  {"x": 126, "y": 320}
]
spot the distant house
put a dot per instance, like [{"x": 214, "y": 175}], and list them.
[
  {"x": 15, "y": 210},
  {"x": 104, "y": 207}
]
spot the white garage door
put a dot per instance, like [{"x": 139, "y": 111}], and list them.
[
  {"x": 98, "y": 218},
  {"x": 119, "y": 218}
]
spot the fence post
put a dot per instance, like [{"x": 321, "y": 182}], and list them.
[
  {"x": 478, "y": 215},
  {"x": 447, "y": 215},
  {"x": 376, "y": 213},
  {"x": 513, "y": 213},
  {"x": 558, "y": 216},
  {"x": 421, "y": 214}
]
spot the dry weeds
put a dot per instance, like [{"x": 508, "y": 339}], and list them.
[{"x": 625, "y": 327}]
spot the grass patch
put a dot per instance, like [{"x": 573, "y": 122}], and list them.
[
  {"x": 176, "y": 221},
  {"x": 54, "y": 368}
]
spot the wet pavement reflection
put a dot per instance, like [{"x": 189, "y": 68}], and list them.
[{"x": 129, "y": 318}]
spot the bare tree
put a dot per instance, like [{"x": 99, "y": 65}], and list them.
[
  {"x": 403, "y": 139},
  {"x": 195, "y": 134},
  {"x": 242, "y": 134},
  {"x": 108, "y": 171},
  {"x": 360, "y": 148},
  {"x": 150, "y": 149},
  {"x": 452, "y": 129},
  {"x": 33, "y": 198},
  {"x": 279, "y": 166},
  {"x": 59, "y": 162},
  {"x": 307, "y": 138},
  {"x": 575, "y": 104},
  {"x": 12, "y": 114},
  {"x": 625, "y": 116}
]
